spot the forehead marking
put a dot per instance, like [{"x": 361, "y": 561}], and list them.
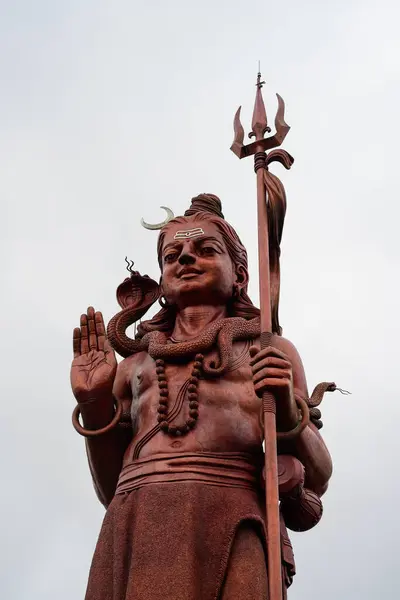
[{"x": 188, "y": 233}]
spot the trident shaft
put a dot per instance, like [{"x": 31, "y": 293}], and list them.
[{"x": 269, "y": 188}]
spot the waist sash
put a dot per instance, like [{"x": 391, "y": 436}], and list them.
[{"x": 226, "y": 469}]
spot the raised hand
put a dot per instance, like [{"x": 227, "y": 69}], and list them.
[{"x": 94, "y": 365}]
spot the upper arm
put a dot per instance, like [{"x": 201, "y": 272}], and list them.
[
  {"x": 106, "y": 452},
  {"x": 299, "y": 376}
]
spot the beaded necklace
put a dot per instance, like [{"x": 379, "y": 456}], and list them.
[{"x": 192, "y": 394}]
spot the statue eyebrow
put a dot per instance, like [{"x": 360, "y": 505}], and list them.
[
  {"x": 209, "y": 238},
  {"x": 171, "y": 245}
]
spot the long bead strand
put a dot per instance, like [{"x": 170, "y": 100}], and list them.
[{"x": 193, "y": 398}]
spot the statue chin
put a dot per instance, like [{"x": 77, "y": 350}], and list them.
[{"x": 194, "y": 295}]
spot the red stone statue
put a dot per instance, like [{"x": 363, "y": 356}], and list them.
[{"x": 174, "y": 432}]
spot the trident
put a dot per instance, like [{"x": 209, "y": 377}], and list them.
[{"x": 271, "y": 206}]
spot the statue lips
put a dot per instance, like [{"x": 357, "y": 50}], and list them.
[{"x": 189, "y": 273}]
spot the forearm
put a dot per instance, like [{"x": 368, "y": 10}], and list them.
[
  {"x": 287, "y": 413},
  {"x": 105, "y": 452},
  {"x": 105, "y": 456},
  {"x": 310, "y": 449}
]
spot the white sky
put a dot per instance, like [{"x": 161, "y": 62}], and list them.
[{"x": 110, "y": 109}]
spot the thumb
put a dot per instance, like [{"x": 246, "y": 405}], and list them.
[
  {"x": 253, "y": 351},
  {"x": 108, "y": 349}
]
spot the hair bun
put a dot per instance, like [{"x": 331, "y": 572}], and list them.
[{"x": 208, "y": 203}]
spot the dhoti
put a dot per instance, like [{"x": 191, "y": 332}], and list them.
[{"x": 186, "y": 527}]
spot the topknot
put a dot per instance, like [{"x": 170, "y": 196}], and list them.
[{"x": 205, "y": 203}]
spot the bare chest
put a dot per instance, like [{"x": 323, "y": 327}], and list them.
[{"x": 228, "y": 409}]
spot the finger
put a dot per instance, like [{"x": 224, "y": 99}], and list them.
[
  {"x": 76, "y": 342},
  {"x": 272, "y": 384},
  {"x": 271, "y": 373},
  {"x": 84, "y": 335},
  {"x": 270, "y": 351},
  {"x": 92, "y": 329},
  {"x": 271, "y": 361},
  {"x": 100, "y": 330},
  {"x": 315, "y": 413}
]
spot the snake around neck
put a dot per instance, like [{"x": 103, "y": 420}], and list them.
[{"x": 219, "y": 335}]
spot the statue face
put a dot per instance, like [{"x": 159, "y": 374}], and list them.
[{"x": 197, "y": 268}]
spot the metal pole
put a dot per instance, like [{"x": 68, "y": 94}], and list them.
[{"x": 269, "y": 408}]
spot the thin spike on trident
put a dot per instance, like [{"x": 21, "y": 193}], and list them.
[{"x": 271, "y": 207}]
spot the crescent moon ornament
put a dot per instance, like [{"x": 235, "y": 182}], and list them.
[{"x": 156, "y": 226}]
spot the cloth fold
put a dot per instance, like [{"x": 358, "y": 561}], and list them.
[
  {"x": 170, "y": 529},
  {"x": 230, "y": 469}
]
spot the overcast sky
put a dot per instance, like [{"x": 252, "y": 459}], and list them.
[{"x": 109, "y": 110}]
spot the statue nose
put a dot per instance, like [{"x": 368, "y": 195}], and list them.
[{"x": 186, "y": 258}]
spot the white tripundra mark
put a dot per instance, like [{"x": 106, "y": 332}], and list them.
[{"x": 188, "y": 233}]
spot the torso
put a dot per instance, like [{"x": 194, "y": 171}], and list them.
[{"x": 229, "y": 410}]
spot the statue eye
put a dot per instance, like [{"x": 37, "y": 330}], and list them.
[
  {"x": 207, "y": 250},
  {"x": 170, "y": 257}
]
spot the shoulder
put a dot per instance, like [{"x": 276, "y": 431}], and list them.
[{"x": 285, "y": 346}]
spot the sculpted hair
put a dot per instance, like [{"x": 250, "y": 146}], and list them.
[{"x": 206, "y": 207}]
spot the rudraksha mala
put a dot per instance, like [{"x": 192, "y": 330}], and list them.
[{"x": 192, "y": 395}]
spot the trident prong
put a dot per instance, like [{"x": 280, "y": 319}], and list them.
[{"x": 259, "y": 127}]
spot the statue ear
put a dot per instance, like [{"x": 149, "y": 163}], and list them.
[
  {"x": 242, "y": 277},
  {"x": 137, "y": 292}
]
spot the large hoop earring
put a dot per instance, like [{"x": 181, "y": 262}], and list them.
[{"x": 163, "y": 302}]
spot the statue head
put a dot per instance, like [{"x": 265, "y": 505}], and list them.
[
  {"x": 202, "y": 261},
  {"x": 201, "y": 257}
]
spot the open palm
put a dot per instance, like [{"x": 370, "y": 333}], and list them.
[{"x": 94, "y": 365}]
